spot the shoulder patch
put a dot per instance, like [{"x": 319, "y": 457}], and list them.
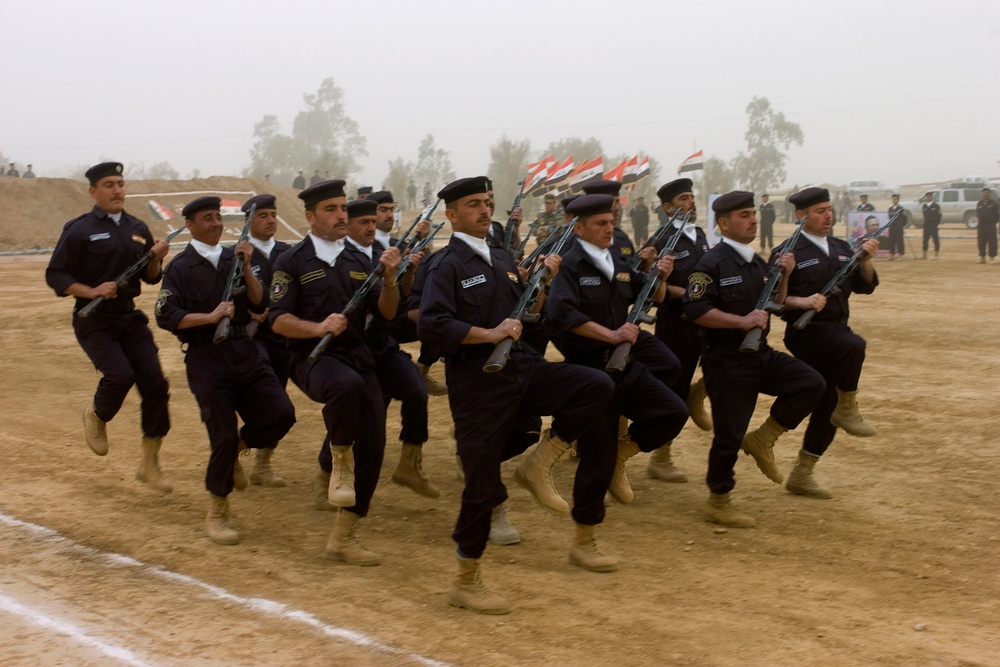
[
  {"x": 309, "y": 277},
  {"x": 698, "y": 282},
  {"x": 161, "y": 298},
  {"x": 279, "y": 285}
]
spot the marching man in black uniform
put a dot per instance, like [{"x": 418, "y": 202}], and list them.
[
  {"x": 312, "y": 283},
  {"x": 587, "y": 307},
  {"x": 92, "y": 252},
  {"x": 470, "y": 291},
  {"x": 229, "y": 378},
  {"x": 621, "y": 244},
  {"x": 826, "y": 343},
  {"x": 722, "y": 301},
  {"x": 671, "y": 327},
  {"x": 267, "y": 249}
]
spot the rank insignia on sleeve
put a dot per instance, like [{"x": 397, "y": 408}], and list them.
[
  {"x": 626, "y": 251},
  {"x": 309, "y": 277},
  {"x": 279, "y": 285},
  {"x": 161, "y": 298},
  {"x": 512, "y": 276},
  {"x": 141, "y": 240},
  {"x": 359, "y": 275},
  {"x": 623, "y": 277},
  {"x": 698, "y": 282}
]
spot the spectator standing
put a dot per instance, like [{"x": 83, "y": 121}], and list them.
[
  {"x": 300, "y": 181},
  {"x": 11, "y": 171},
  {"x": 411, "y": 195},
  {"x": 864, "y": 205},
  {"x": 988, "y": 213},
  {"x": 640, "y": 221},
  {"x": 315, "y": 178},
  {"x": 896, "y": 245},
  {"x": 28, "y": 173},
  {"x": 932, "y": 218}
]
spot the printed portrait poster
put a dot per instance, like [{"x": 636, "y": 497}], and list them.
[
  {"x": 862, "y": 225},
  {"x": 712, "y": 234}
]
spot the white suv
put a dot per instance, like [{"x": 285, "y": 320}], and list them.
[
  {"x": 958, "y": 205},
  {"x": 871, "y": 188}
]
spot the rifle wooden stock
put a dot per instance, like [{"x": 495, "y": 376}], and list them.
[{"x": 122, "y": 280}]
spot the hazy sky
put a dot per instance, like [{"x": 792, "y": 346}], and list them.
[{"x": 905, "y": 92}]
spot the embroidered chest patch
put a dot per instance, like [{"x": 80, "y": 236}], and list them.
[
  {"x": 730, "y": 280},
  {"x": 623, "y": 277},
  {"x": 279, "y": 285},
  {"x": 309, "y": 277},
  {"x": 682, "y": 254},
  {"x": 358, "y": 275},
  {"x": 590, "y": 281},
  {"x": 626, "y": 251},
  {"x": 475, "y": 280},
  {"x": 843, "y": 258},
  {"x": 161, "y": 299},
  {"x": 698, "y": 282},
  {"x": 512, "y": 276},
  {"x": 809, "y": 262},
  {"x": 141, "y": 240},
  {"x": 100, "y": 237}
]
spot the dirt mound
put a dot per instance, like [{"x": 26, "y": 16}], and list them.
[{"x": 35, "y": 210}]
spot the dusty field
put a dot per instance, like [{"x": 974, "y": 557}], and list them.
[{"x": 898, "y": 569}]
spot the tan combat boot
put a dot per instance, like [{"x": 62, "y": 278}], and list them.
[
  {"x": 661, "y": 466},
  {"x": 848, "y": 417},
  {"x": 760, "y": 445},
  {"x": 620, "y": 489},
  {"x": 434, "y": 388},
  {"x": 262, "y": 474},
  {"x": 410, "y": 473},
  {"x": 469, "y": 592},
  {"x": 240, "y": 481},
  {"x": 343, "y": 543},
  {"x": 95, "y": 431},
  {"x": 502, "y": 531},
  {"x": 696, "y": 404},
  {"x": 720, "y": 510},
  {"x": 217, "y": 522},
  {"x": 584, "y": 552},
  {"x": 535, "y": 473},
  {"x": 321, "y": 490},
  {"x": 341, "y": 490},
  {"x": 800, "y": 480},
  {"x": 149, "y": 466}
]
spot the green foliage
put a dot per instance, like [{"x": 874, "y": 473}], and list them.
[
  {"x": 769, "y": 134},
  {"x": 508, "y": 165}
]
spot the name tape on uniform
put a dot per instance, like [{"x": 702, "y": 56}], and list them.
[
  {"x": 731, "y": 280},
  {"x": 475, "y": 280}
]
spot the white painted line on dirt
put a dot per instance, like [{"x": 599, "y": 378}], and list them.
[
  {"x": 11, "y": 605},
  {"x": 260, "y": 605}
]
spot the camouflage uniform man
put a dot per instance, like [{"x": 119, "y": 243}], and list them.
[{"x": 547, "y": 220}]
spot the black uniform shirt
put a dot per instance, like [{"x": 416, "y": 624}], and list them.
[
  {"x": 192, "y": 285},
  {"x": 263, "y": 267},
  {"x": 723, "y": 279},
  {"x": 900, "y": 213},
  {"x": 767, "y": 214},
  {"x": 988, "y": 211},
  {"x": 309, "y": 288},
  {"x": 867, "y": 208},
  {"x": 462, "y": 291},
  {"x": 687, "y": 254},
  {"x": 94, "y": 250},
  {"x": 932, "y": 213},
  {"x": 814, "y": 269},
  {"x": 580, "y": 293}
]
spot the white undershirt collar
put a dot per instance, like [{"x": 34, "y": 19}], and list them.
[
  {"x": 601, "y": 258},
  {"x": 367, "y": 250},
  {"x": 821, "y": 242},
  {"x": 264, "y": 246},
  {"x": 745, "y": 251},
  {"x": 328, "y": 251},
  {"x": 688, "y": 229},
  {"x": 209, "y": 252},
  {"x": 383, "y": 238},
  {"x": 477, "y": 245}
]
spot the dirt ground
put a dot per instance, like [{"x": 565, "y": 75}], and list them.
[{"x": 898, "y": 569}]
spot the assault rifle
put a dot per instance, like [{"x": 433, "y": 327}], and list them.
[
  {"x": 643, "y": 302},
  {"x": 235, "y": 273},
  {"x": 501, "y": 353},
  {"x": 832, "y": 288},
  {"x": 660, "y": 233},
  {"x": 126, "y": 276},
  {"x": 751, "y": 342},
  {"x": 524, "y": 242},
  {"x": 551, "y": 240},
  {"x": 508, "y": 232},
  {"x": 404, "y": 265}
]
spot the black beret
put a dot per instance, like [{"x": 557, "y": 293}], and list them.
[
  {"x": 733, "y": 201},
  {"x": 361, "y": 207},
  {"x": 569, "y": 199},
  {"x": 464, "y": 187},
  {"x": 365, "y": 190},
  {"x": 200, "y": 204},
  {"x": 598, "y": 186},
  {"x": 674, "y": 188},
  {"x": 262, "y": 201},
  {"x": 99, "y": 171},
  {"x": 806, "y": 197},
  {"x": 585, "y": 205},
  {"x": 322, "y": 190},
  {"x": 382, "y": 197}
]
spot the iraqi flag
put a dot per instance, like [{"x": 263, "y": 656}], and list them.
[
  {"x": 693, "y": 163},
  {"x": 587, "y": 170},
  {"x": 159, "y": 211},
  {"x": 631, "y": 167},
  {"x": 642, "y": 171},
  {"x": 618, "y": 173},
  {"x": 231, "y": 209},
  {"x": 544, "y": 162},
  {"x": 536, "y": 178},
  {"x": 558, "y": 173}
]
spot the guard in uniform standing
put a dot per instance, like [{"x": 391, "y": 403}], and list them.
[
  {"x": 897, "y": 247},
  {"x": 229, "y": 378},
  {"x": 767, "y": 218},
  {"x": 312, "y": 283},
  {"x": 470, "y": 291},
  {"x": 587, "y": 308},
  {"x": 92, "y": 252},
  {"x": 267, "y": 249},
  {"x": 932, "y": 218},
  {"x": 722, "y": 301},
  {"x": 827, "y": 342},
  {"x": 671, "y": 326},
  {"x": 864, "y": 206},
  {"x": 987, "y": 214}
]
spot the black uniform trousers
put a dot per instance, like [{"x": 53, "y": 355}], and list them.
[
  {"x": 681, "y": 337},
  {"x": 931, "y": 232},
  {"x": 767, "y": 235},
  {"x": 657, "y": 415},
  {"x": 234, "y": 378},
  {"x": 897, "y": 245},
  {"x": 987, "y": 237},
  {"x": 733, "y": 380},
  {"x": 276, "y": 352},
  {"x": 121, "y": 348},
  {"x": 658, "y": 359},
  {"x": 490, "y": 409},
  {"x": 837, "y": 353},
  {"x": 400, "y": 380},
  {"x": 354, "y": 413}
]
